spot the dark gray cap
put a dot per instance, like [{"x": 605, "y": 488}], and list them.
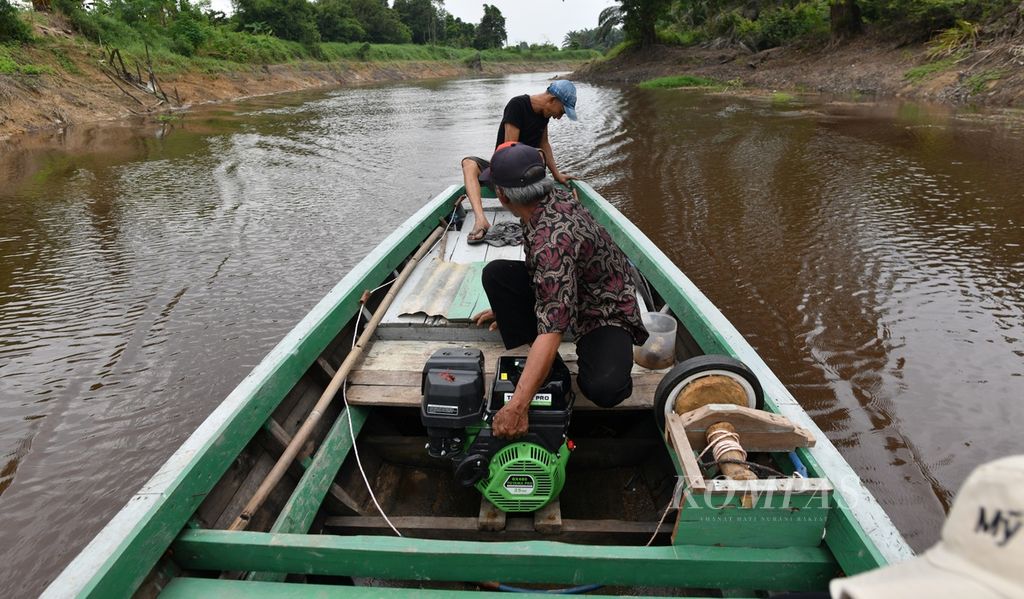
[{"x": 514, "y": 164}]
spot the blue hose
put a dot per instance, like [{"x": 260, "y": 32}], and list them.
[
  {"x": 586, "y": 588},
  {"x": 798, "y": 464}
]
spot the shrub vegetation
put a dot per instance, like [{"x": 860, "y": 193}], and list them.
[
  {"x": 770, "y": 23},
  {"x": 12, "y": 28},
  {"x": 183, "y": 33}
]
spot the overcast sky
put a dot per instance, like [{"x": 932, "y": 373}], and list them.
[
  {"x": 530, "y": 21},
  {"x": 535, "y": 21}
]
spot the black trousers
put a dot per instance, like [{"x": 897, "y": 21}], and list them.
[{"x": 605, "y": 355}]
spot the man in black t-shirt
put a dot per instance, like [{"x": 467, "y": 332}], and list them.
[{"x": 525, "y": 120}]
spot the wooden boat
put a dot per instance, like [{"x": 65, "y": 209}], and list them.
[{"x": 318, "y": 531}]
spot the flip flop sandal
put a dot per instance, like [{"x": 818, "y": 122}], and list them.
[{"x": 482, "y": 231}]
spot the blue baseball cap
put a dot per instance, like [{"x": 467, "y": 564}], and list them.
[{"x": 565, "y": 91}]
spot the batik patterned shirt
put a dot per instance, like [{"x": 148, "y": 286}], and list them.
[{"x": 581, "y": 279}]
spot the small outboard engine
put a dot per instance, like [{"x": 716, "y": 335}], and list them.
[
  {"x": 521, "y": 475},
  {"x": 452, "y": 388}
]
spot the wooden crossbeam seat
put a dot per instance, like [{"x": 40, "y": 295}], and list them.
[{"x": 391, "y": 372}]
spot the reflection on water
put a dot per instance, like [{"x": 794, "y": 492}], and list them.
[
  {"x": 871, "y": 254},
  {"x": 874, "y": 262}
]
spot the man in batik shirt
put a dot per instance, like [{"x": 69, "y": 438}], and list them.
[{"x": 574, "y": 277}]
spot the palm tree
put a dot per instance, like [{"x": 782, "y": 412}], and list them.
[
  {"x": 637, "y": 17},
  {"x": 584, "y": 38},
  {"x": 608, "y": 19}
]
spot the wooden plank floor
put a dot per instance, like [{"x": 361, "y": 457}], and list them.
[{"x": 390, "y": 373}]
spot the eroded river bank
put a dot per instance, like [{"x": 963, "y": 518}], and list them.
[{"x": 871, "y": 253}]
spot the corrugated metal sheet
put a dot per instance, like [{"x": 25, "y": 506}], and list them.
[{"x": 448, "y": 289}]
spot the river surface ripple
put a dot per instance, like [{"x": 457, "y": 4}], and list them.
[{"x": 870, "y": 253}]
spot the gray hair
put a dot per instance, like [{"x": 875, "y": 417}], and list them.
[{"x": 530, "y": 193}]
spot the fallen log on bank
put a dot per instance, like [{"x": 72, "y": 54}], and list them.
[{"x": 115, "y": 70}]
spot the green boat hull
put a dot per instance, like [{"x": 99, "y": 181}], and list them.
[{"x": 156, "y": 543}]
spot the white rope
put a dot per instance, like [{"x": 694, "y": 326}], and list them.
[
  {"x": 351, "y": 431},
  {"x": 657, "y": 528},
  {"x": 676, "y": 499},
  {"x": 721, "y": 442},
  {"x": 344, "y": 395}
]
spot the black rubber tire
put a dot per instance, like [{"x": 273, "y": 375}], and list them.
[{"x": 688, "y": 368}]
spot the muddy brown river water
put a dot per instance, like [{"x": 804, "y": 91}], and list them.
[{"x": 872, "y": 253}]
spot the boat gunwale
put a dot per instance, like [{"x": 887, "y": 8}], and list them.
[
  {"x": 122, "y": 554},
  {"x": 853, "y": 501}
]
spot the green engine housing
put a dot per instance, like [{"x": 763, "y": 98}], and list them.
[{"x": 524, "y": 477}]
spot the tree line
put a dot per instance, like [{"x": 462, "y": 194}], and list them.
[
  {"x": 761, "y": 24},
  {"x": 188, "y": 25},
  {"x": 374, "y": 21}
]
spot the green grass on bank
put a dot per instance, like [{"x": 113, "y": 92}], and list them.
[
  {"x": 675, "y": 81},
  {"x": 974, "y": 84},
  {"x": 14, "y": 62},
  {"x": 190, "y": 42},
  {"x": 979, "y": 82},
  {"x": 226, "y": 50},
  {"x": 925, "y": 71},
  {"x": 230, "y": 51},
  {"x": 411, "y": 52}
]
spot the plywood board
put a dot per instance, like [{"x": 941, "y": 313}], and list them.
[
  {"x": 444, "y": 332},
  {"x": 411, "y": 355},
  {"x": 391, "y": 370},
  {"x": 410, "y": 397},
  {"x": 758, "y": 430}
]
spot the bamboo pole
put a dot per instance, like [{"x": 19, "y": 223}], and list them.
[{"x": 306, "y": 430}]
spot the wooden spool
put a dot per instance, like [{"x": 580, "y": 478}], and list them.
[
  {"x": 711, "y": 389},
  {"x": 733, "y": 471},
  {"x": 717, "y": 389}
]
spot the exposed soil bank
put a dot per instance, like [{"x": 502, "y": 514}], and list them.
[
  {"x": 49, "y": 101},
  {"x": 992, "y": 74}
]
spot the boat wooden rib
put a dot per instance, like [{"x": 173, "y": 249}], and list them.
[{"x": 320, "y": 533}]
